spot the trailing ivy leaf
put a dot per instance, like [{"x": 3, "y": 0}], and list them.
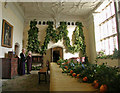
[
  {"x": 62, "y": 32},
  {"x": 33, "y": 42}
]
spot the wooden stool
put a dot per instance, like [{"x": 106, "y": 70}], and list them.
[{"x": 43, "y": 71}]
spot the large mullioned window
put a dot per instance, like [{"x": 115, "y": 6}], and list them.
[{"x": 106, "y": 30}]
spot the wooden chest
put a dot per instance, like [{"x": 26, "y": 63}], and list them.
[{"x": 9, "y": 67}]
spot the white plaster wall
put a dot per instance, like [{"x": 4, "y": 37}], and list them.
[
  {"x": 0, "y": 45},
  {"x": 60, "y": 44},
  {"x": 14, "y": 17},
  {"x": 41, "y": 36},
  {"x": 91, "y": 39},
  {"x": 0, "y": 25}
]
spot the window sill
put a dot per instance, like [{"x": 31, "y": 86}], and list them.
[{"x": 109, "y": 61}]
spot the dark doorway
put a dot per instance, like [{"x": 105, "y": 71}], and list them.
[{"x": 56, "y": 55}]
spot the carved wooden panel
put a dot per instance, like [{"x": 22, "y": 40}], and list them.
[{"x": 9, "y": 67}]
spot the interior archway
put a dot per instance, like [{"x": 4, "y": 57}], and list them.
[{"x": 17, "y": 49}]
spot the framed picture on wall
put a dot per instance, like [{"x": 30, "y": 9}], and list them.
[{"x": 7, "y": 34}]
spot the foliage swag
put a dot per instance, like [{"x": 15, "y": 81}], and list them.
[
  {"x": 62, "y": 32},
  {"x": 33, "y": 42}
]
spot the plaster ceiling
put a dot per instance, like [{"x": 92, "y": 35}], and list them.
[{"x": 58, "y": 9}]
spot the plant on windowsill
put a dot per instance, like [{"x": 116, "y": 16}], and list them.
[
  {"x": 101, "y": 55},
  {"x": 116, "y": 54}
]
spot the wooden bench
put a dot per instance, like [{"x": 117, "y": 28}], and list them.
[{"x": 43, "y": 71}]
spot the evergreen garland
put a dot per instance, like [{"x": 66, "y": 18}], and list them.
[
  {"x": 33, "y": 43},
  {"x": 62, "y": 32}
]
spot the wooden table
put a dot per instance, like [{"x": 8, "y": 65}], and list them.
[{"x": 43, "y": 71}]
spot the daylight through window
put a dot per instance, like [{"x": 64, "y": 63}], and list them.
[{"x": 105, "y": 28}]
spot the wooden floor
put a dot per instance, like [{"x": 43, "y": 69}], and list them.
[{"x": 62, "y": 82}]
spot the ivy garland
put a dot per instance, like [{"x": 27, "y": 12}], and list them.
[
  {"x": 62, "y": 32},
  {"x": 33, "y": 42}
]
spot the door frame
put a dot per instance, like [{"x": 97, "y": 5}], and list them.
[{"x": 57, "y": 48}]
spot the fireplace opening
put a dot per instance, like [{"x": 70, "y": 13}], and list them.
[{"x": 56, "y": 55}]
